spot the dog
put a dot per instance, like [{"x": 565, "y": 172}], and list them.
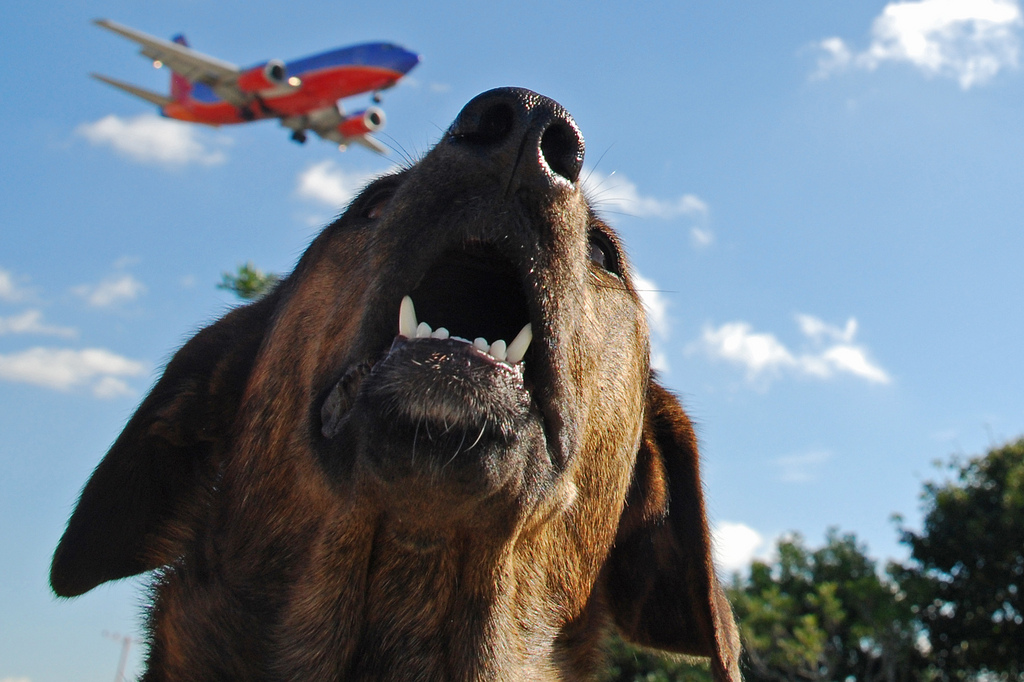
[{"x": 435, "y": 451}]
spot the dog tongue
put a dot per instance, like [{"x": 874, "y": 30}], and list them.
[{"x": 512, "y": 353}]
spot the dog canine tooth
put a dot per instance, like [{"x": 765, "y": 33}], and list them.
[
  {"x": 498, "y": 350},
  {"x": 517, "y": 349},
  {"x": 407, "y": 318},
  {"x": 440, "y": 333},
  {"x": 423, "y": 331}
]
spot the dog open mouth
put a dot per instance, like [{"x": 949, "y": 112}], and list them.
[
  {"x": 460, "y": 354},
  {"x": 473, "y": 296}
]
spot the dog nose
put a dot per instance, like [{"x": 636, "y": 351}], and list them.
[{"x": 532, "y": 134}]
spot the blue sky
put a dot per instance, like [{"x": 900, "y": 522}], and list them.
[{"x": 824, "y": 200}]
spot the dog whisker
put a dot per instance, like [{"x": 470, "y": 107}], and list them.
[
  {"x": 456, "y": 453},
  {"x": 593, "y": 168},
  {"x": 414, "y": 435},
  {"x": 479, "y": 436}
]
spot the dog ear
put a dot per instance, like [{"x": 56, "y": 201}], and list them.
[
  {"x": 660, "y": 576},
  {"x": 132, "y": 514}
]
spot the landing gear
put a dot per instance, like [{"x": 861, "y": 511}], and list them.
[
  {"x": 299, "y": 136},
  {"x": 377, "y": 99},
  {"x": 267, "y": 111}
]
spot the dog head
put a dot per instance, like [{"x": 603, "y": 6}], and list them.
[{"x": 456, "y": 374}]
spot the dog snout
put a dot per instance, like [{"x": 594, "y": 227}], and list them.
[{"x": 517, "y": 129}]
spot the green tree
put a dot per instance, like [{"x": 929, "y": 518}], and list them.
[
  {"x": 825, "y": 614},
  {"x": 967, "y": 567},
  {"x": 248, "y": 282}
]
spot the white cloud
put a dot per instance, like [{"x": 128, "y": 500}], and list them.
[
  {"x": 657, "y": 318},
  {"x": 701, "y": 237},
  {"x": 16, "y": 679},
  {"x": 654, "y": 302},
  {"x": 618, "y": 192},
  {"x": 111, "y": 291},
  {"x": 64, "y": 369},
  {"x": 328, "y": 184},
  {"x": 853, "y": 360},
  {"x": 802, "y": 467},
  {"x": 834, "y": 56},
  {"x": 31, "y": 322},
  {"x": 435, "y": 87},
  {"x": 817, "y": 330},
  {"x": 968, "y": 40},
  {"x": 737, "y": 342},
  {"x": 659, "y": 360},
  {"x": 151, "y": 139},
  {"x": 831, "y": 351},
  {"x": 9, "y": 290},
  {"x": 735, "y": 546},
  {"x": 111, "y": 387},
  {"x": 126, "y": 262}
]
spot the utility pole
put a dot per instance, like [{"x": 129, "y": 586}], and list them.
[{"x": 126, "y": 644}]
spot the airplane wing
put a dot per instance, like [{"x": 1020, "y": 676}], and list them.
[
  {"x": 221, "y": 76},
  {"x": 370, "y": 143},
  {"x": 178, "y": 58},
  {"x": 324, "y": 122},
  {"x": 148, "y": 95}
]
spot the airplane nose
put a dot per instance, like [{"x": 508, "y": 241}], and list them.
[
  {"x": 523, "y": 131},
  {"x": 406, "y": 60}
]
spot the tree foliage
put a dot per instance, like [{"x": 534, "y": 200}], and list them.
[
  {"x": 967, "y": 567},
  {"x": 248, "y": 282},
  {"x": 824, "y": 614}
]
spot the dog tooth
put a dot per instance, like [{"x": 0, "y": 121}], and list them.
[
  {"x": 480, "y": 343},
  {"x": 459, "y": 338},
  {"x": 499, "y": 351},
  {"x": 407, "y": 318},
  {"x": 423, "y": 331},
  {"x": 440, "y": 333},
  {"x": 517, "y": 349}
]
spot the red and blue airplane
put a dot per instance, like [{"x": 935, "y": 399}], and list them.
[{"x": 302, "y": 94}]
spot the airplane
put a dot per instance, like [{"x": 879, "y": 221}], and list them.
[{"x": 302, "y": 94}]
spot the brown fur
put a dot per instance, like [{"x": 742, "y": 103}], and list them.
[{"x": 444, "y": 517}]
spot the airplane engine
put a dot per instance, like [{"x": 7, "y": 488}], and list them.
[
  {"x": 270, "y": 75},
  {"x": 369, "y": 120}
]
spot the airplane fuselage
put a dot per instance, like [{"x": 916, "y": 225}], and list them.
[{"x": 325, "y": 78}]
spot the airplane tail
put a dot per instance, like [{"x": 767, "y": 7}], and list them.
[{"x": 181, "y": 87}]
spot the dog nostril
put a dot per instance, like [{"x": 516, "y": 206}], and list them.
[
  {"x": 562, "y": 150},
  {"x": 520, "y": 130},
  {"x": 492, "y": 127}
]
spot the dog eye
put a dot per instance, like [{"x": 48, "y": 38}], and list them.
[
  {"x": 373, "y": 203},
  {"x": 603, "y": 253},
  {"x": 376, "y": 205}
]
